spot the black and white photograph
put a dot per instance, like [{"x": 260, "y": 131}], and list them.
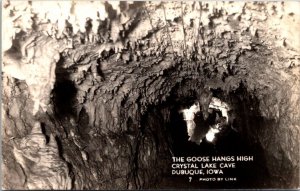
[{"x": 127, "y": 95}]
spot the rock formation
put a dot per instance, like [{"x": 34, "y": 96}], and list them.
[{"x": 90, "y": 88}]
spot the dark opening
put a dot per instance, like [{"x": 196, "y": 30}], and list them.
[
  {"x": 64, "y": 92},
  {"x": 64, "y": 97}
]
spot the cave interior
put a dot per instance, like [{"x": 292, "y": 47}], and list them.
[{"x": 104, "y": 101}]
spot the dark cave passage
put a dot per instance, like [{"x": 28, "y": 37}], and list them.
[{"x": 64, "y": 92}]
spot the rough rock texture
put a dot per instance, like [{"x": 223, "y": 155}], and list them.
[{"x": 104, "y": 84}]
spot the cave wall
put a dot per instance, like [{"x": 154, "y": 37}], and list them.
[{"x": 123, "y": 62}]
